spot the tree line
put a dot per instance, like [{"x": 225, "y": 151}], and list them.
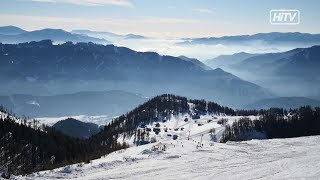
[{"x": 276, "y": 123}]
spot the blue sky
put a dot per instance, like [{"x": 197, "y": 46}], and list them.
[{"x": 165, "y": 18}]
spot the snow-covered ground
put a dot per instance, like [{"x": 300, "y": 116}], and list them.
[
  {"x": 184, "y": 127},
  {"x": 292, "y": 158}
]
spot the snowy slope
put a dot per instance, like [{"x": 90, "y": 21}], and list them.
[
  {"x": 257, "y": 159},
  {"x": 189, "y": 159},
  {"x": 185, "y": 125},
  {"x": 195, "y": 154}
]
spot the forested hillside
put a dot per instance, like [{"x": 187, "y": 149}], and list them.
[
  {"x": 277, "y": 123},
  {"x": 27, "y": 147},
  {"x": 157, "y": 109}
]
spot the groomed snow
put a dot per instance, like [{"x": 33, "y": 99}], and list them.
[{"x": 292, "y": 158}]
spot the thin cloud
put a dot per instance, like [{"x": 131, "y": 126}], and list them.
[
  {"x": 109, "y": 21},
  {"x": 126, "y": 3},
  {"x": 148, "y": 26},
  {"x": 199, "y": 10},
  {"x": 157, "y": 20},
  {"x": 172, "y": 7}
]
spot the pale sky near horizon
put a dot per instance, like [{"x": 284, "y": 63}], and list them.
[{"x": 165, "y": 18}]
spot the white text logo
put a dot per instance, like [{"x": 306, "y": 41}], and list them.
[{"x": 284, "y": 17}]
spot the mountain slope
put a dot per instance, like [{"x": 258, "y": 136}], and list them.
[
  {"x": 87, "y": 66},
  {"x": 196, "y": 61},
  {"x": 111, "y": 103},
  {"x": 184, "y": 133},
  {"x": 77, "y": 129},
  {"x": 224, "y": 61},
  {"x": 268, "y": 61},
  {"x": 27, "y": 147},
  {"x": 283, "y": 102},
  {"x": 305, "y": 62},
  {"x": 157, "y": 110},
  {"x": 45, "y": 148},
  {"x": 11, "y": 30},
  {"x": 178, "y": 125},
  {"x": 290, "y": 73}
]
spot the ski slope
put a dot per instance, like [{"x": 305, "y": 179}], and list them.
[
  {"x": 196, "y": 155},
  {"x": 292, "y": 158},
  {"x": 184, "y": 126}
]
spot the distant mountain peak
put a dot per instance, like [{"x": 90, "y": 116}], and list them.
[
  {"x": 195, "y": 61},
  {"x": 52, "y": 31},
  {"x": 134, "y": 36},
  {"x": 11, "y": 30},
  {"x": 76, "y": 128},
  {"x": 219, "y": 70},
  {"x": 225, "y": 61},
  {"x": 10, "y": 27},
  {"x": 241, "y": 53}
]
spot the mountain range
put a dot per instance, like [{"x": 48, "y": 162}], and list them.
[
  {"x": 196, "y": 61},
  {"x": 269, "y": 38},
  {"x": 111, "y": 103},
  {"x": 296, "y": 62},
  {"x": 85, "y": 67},
  {"x": 300, "y": 62},
  {"x": 42, "y": 67},
  {"x": 225, "y": 61},
  {"x": 12, "y": 35},
  {"x": 289, "y": 73},
  {"x": 11, "y": 30},
  {"x": 108, "y": 35}
]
